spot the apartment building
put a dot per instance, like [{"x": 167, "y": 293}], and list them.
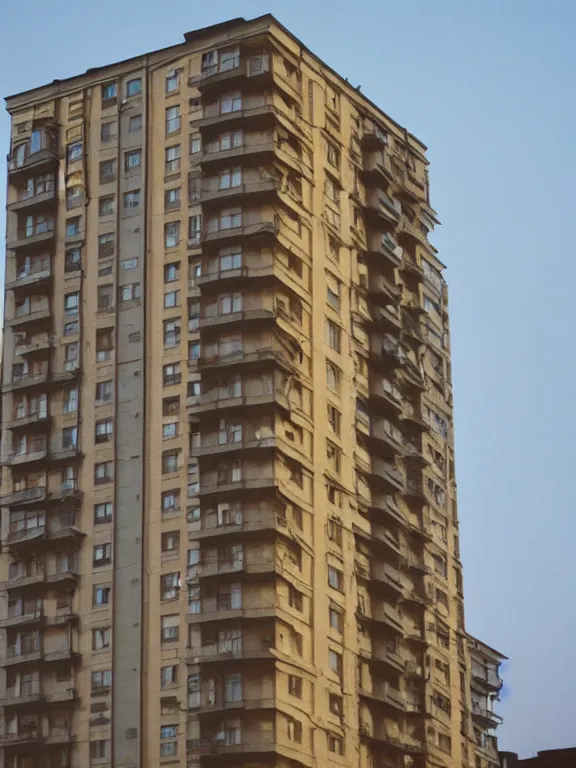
[
  {"x": 485, "y": 686},
  {"x": 230, "y": 533}
]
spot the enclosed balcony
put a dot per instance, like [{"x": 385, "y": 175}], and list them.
[
  {"x": 237, "y": 111},
  {"x": 30, "y": 530},
  {"x": 230, "y": 229},
  {"x": 386, "y": 436},
  {"x": 382, "y": 209},
  {"x": 33, "y": 346},
  {"x": 240, "y": 149},
  {"x": 29, "y": 412},
  {"x": 384, "y": 507},
  {"x": 230, "y": 70},
  {"x": 385, "y": 391},
  {"x": 35, "y": 192},
  {"x": 248, "y": 743},
  {"x": 31, "y": 693},
  {"x": 384, "y": 653},
  {"x": 387, "y": 352},
  {"x": 383, "y": 692},
  {"x": 233, "y": 437},
  {"x": 240, "y": 313},
  {"x": 240, "y": 393},
  {"x": 36, "y": 154},
  {"x": 249, "y": 185},
  {"x": 238, "y": 562},
  {"x": 249, "y": 354},
  {"x": 383, "y": 247},
  {"x": 485, "y": 716},
  {"x": 33, "y": 274},
  {"x": 33, "y": 230}
]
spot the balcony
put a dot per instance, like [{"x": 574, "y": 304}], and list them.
[
  {"x": 385, "y": 504},
  {"x": 31, "y": 618},
  {"x": 484, "y": 716},
  {"x": 219, "y": 237},
  {"x": 382, "y": 209},
  {"x": 231, "y": 319},
  {"x": 382, "y": 245},
  {"x": 248, "y": 118},
  {"x": 385, "y": 654},
  {"x": 387, "y": 616},
  {"x": 30, "y": 199},
  {"x": 388, "y": 475},
  {"x": 232, "y": 614},
  {"x": 63, "y": 532},
  {"x": 275, "y": 354},
  {"x": 32, "y": 276},
  {"x": 30, "y": 316},
  {"x": 39, "y": 417},
  {"x": 35, "y": 450},
  {"x": 234, "y": 73},
  {"x": 388, "y": 577},
  {"x": 26, "y": 737},
  {"x": 40, "y": 232},
  {"x": 240, "y": 569},
  {"x": 32, "y": 695},
  {"x": 387, "y": 392},
  {"x": 389, "y": 436},
  {"x": 212, "y": 401},
  {"x": 14, "y": 657},
  {"x": 232, "y": 743},
  {"x": 221, "y": 706},
  {"x": 34, "y": 156},
  {"x": 23, "y": 496},
  {"x": 387, "y": 353},
  {"x": 26, "y": 380},
  {"x": 260, "y": 154},
  {"x": 374, "y": 139},
  {"x": 384, "y": 693},
  {"x": 230, "y": 650},
  {"x": 251, "y": 192},
  {"x": 210, "y": 445},
  {"x": 34, "y": 346},
  {"x": 382, "y": 286}
]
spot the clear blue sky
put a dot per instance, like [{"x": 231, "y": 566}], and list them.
[{"x": 489, "y": 86}]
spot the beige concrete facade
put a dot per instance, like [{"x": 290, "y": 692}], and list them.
[{"x": 229, "y": 513}]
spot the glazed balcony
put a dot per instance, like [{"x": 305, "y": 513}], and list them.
[
  {"x": 38, "y": 232},
  {"x": 37, "y": 194},
  {"x": 34, "y": 276}
]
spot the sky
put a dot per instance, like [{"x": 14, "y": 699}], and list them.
[{"x": 489, "y": 86}]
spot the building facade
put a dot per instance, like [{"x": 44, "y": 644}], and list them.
[
  {"x": 547, "y": 758},
  {"x": 230, "y": 533}
]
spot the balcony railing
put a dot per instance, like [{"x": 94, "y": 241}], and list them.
[{"x": 35, "y": 450}]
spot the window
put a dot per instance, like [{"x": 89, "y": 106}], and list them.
[
  {"x": 99, "y": 749},
  {"x": 132, "y": 159},
  {"x": 101, "y": 638},
  {"x": 334, "y": 418},
  {"x": 333, "y": 292},
  {"x": 230, "y": 178},
  {"x": 103, "y": 512},
  {"x": 333, "y": 155},
  {"x": 336, "y": 619},
  {"x": 172, "y": 272},
  {"x": 229, "y": 59},
  {"x": 169, "y": 462},
  {"x": 295, "y": 686},
  {"x": 232, "y": 688},
  {"x": 332, "y": 377},
  {"x": 194, "y": 350},
  {"x": 335, "y": 743},
  {"x": 333, "y": 457},
  {"x": 172, "y": 199},
  {"x": 107, "y": 131},
  {"x": 335, "y": 578},
  {"x": 102, "y": 554},
  {"x": 335, "y": 661},
  {"x": 171, "y": 333},
  {"x": 172, "y": 299},
  {"x": 74, "y": 152},
  {"x": 171, "y": 374},
  {"x": 172, "y": 119},
  {"x": 103, "y": 472},
  {"x": 295, "y": 598},
  {"x": 230, "y": 303},
  {"x": 70, "y": 329},
  {"x": 106, "y": 206},
  {"x": 169, "y": 586},
  {"x": 170, "y": 430},
  {"x": 168, "y": 675},
  {"x": 332, "y": 189},
  {"x": 171, "y": 406},
  {"x": 334, "y": 530},
  {"x": 130, "y": 292},
  {"x": 172, "y": 159},
  {"x": 170, "y": 502},
  {"x": 195, "y": 229},
  {"x": 170, "y": 542},
  {"x": 135, "y": 123},
  {"x": 109, "y": 91},
  {"x": 294, "y": 730},
  {"x": 232, "y": 260},
  {"x": 195, "y": 144},
  {"x": 231, "y": 102},
  {"x": 172, "y": 80},
  {"x": 71, "y": 302},
  {"x": 132, "y": 199},
  {"x": 226, "y": 141},
  {"x": 73, "y": 227},
  {"x": 101, "y": 679},
  {"x": 72, "y": 260},
  {"x": 101, "y": 595},
  {"x": 335, "y": 704},
  {"x": 106, "y": 245},
  {"x": 170, "y": 628},
  {"x": 103, "y": 431},
  {"x": 70, "y": 402},
  {"x": 333, "y": 335},
  {"x": 445, "y": 743},
  {"x": 172, "y": 234},
  {"x": 134, "y": 87}
]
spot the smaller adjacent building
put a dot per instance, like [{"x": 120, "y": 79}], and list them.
[
  {"x": 548, "y": 758},
  {"x": 485, "y": 685}
]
